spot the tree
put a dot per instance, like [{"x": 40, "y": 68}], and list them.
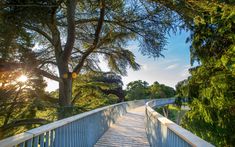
[
  {"x": 137, "y": 90},
  {"x": 188, "y": 10},
  {"x": 114, "y": 84},
  {"x": 212, "y": 84},
  {"x": 161, "y": 91},
  {"x": 182, "y": 92},
  {"x": 92, "y": 90},
  {"x": 21, "y": 102},
  {"x": 70, "y": 35},
  {"x": 141, "y": 90}
]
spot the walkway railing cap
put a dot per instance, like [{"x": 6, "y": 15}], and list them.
[
  {"x": 11, "y": 141},
  {"x": 178, "y": 130}
]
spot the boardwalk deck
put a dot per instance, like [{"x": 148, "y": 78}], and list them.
[{"x": 129, "y": 131}]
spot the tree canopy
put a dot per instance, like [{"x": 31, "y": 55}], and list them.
[
  {"x": 72, "y": 35},
  {"x": 20, "y": 103},
  {"x": 142, "y": 90},
  {"x": 211, "y": 86}
]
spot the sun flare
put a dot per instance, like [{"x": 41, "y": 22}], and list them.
[{"x": 22, "y": 78}]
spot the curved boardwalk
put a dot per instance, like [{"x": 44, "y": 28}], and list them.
[{"x": 129, "y": 131}]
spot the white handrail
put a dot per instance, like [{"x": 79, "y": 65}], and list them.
[
  {"x": 163, "y": 132},
  {"x": 79, "y": 130}
]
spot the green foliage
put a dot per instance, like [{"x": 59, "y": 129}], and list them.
[
  {"x": 33, "y": 107},
  {"x": 141, "y": 90},
  {"x": 174, "y": 113},
  {"x": 72, "y": 35},
  {"x": 161, "y": 91},
  {"x": 33, "y": 20},
  {"x": 182, "y": 89},
  {"x": 212, "y": 84},
  {"x": 93, "y": 90},
  {"x": 137, "y": 90},
  {"x": 22, "y": 105}
]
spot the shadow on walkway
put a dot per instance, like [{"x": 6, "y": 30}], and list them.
[{"x": 128, "y": 131}]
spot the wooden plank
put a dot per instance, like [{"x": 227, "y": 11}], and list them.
[{"x": 129, "y": 130}]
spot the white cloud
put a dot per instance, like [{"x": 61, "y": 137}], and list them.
[
  {"x": 145, "y": 67},
  {"x": 173, "y": 66},
  {"x": 168, "y": 72},
  {"x": 187, "y": 66},
  {"x": 185, "y": 73}
]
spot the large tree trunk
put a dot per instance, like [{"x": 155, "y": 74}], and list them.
[
  {"x": 65, "y": 84},
  {"x": 63, "y": 55},
  {"x": 65, "y": 92}
]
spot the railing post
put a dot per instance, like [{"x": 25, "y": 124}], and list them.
[
  {"x": 165, "y": 133},
  {"x": 79, "y": 130}
]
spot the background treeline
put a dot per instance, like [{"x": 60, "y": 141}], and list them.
[{"x": 137, "y": 90}]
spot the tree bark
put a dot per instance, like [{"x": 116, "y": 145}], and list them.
[
  {"x": 65, "y": 98},
  {"x": 65, "y": 91},
  {"x": 63, "y": 54},
  {"x": 65, "y": 86}
]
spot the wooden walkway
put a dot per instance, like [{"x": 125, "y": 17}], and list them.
[{"x": 129, "y": 131}]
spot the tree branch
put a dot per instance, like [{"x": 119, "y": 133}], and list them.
[
  {"x": 82, "y": 21},
  {"x": 91, "y": 20},
  {"x": 56, "y": 42},
  {"x": 96, "y": 40},
  {"x": 47, "y": 75},
  {"x": 9, "y": 66},
  {"x": 39, "y": 31},
  {"x": 119, "y": 23},
  {"x": 47, "y": 62},
  {"x": 71, "y": 6}
]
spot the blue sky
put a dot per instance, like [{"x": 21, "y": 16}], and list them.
[{"x": 169, "y": 70}]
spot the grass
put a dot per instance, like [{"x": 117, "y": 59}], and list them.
[{"x": 174, "y": 113}]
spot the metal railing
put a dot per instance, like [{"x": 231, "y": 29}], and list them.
[
  {"x": 162, "y": 132},
  {"x": 82, "y": 130}
]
